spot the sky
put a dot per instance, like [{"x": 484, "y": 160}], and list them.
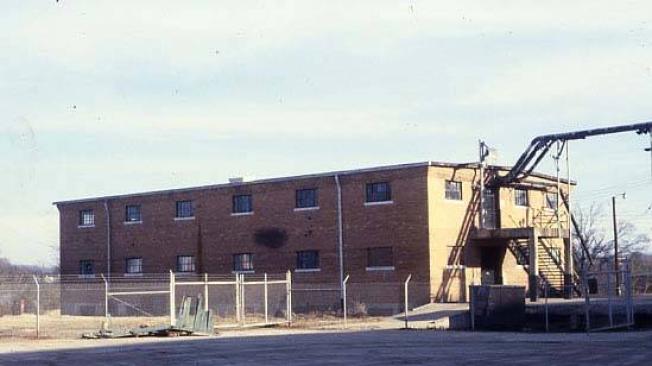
[{"x": 111, "y": 97}]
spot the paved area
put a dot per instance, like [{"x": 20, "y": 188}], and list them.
[{"x": 377, "y": 347}]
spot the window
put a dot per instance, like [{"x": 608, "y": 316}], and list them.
[
  {"x": 453, "y": 190},
  {"x": 380, "y": 257},
  {"x": 185, "y": 209},
  {"x": 308, "y": 259},
  {"x": 242, "y": 203},
  {"x": 86, "y": 267},
  {"x": 134, "y": 265},
  {"x": 185, "y": 263},
  {"x": 132, "y": 213},
  {"x": 378, "y": 192},
  {"x": 520, "y": 197},
  {"x": 86, "y": 218},
  {"x": 551, "y": 201},
  {"x": 243, "y": 262},
  {"x": 306, "y": 198}
]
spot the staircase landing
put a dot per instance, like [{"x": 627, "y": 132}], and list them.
[{"x": 517, "y": 233}]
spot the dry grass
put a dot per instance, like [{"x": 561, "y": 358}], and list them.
[
  {"x": 331, "y": 321},
  {"x": 54, "y": 325}
]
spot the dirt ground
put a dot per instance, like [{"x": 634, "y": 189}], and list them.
[{"x": 331, "y": 347}]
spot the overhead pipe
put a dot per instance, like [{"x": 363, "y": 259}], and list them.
[{"x": 540, "y": 145}]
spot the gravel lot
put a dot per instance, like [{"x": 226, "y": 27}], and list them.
[{"x": 372, "y": 347}]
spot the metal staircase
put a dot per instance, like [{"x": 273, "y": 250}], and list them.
[{"x": 551, "y": 269}]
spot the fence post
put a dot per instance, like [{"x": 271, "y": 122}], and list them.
[
  {"x": 205, "y": 291},
  {"x": 546, "y": 291},
  {"x": 407, "y": 281},
  {"x": 344, "y": 307},
  {"x": 172, "y": 299},
  {"x": 587, "y": 301},
  {"x": 38, "y": 307},
  {"x": 629, "y": 299},
  {"x": 265, "y": 296},
  {"x": 288, "y": 291},
  {"x": 243, "y": 298},
  {"x": 237, "y": 297},
  {"x": 610, "y": 306},
  {"x": 472, "y": 291},
  {"x": 106, "y": 296}
]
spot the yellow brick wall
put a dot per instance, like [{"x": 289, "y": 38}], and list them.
[{"x": 454, "y": 259}]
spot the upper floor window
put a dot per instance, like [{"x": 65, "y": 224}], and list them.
[
  {"x": 243, "y": 262},
  {"x": 86, "y": 218},
  {"x": 520, "y": 197},
  {"x": 134, "y": 265},
  {"x": 132, "y": 213},
  {"x": 308, "y": 259},
  {"x": 453, "y": 190},
  {"x": 379, "y": 192},
  {"x": 380, "y": 257},
  {"x": 185, "y": 209},
  {"x": 551, "y": 200},
  {"x": 86, "y": 267},
  {"x": 185, "y": 263},
  {"x": 306, "y": 198},
  {"x": 242, "y": 203}
]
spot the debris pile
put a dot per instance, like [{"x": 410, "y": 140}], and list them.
[{"x": 192, "y": 320}]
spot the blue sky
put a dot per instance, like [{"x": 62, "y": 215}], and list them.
[{"x": 109, "y": 97}]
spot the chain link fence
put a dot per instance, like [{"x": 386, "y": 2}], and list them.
[
  {"x": 49, "y": 306},
  {"x": 608, "y": 299},
  {"x": 322, "y": 304}
]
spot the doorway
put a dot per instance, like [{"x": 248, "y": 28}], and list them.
[
  {"x": 490, "y": 214},
  {"x": 492, "y": 265}
]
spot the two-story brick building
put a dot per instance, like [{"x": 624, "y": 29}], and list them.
[{"x": 376, "y": 225}]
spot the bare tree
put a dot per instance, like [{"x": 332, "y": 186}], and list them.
[{"x": 598, "y": 238}]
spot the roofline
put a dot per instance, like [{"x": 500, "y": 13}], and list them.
[
  {"x": 296, "y": 177},
  {"x": 257, "y": 181}
]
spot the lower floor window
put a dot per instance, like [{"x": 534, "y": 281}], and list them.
[
  {"x": 308, "y": 259},
  {"x": 86, "y": 267},
  {"x": 243, "y": 262},
  {"x": 135, "y": 265},
  {"x": 185, "y": 263},
  {"x": 380, "y": 257}
]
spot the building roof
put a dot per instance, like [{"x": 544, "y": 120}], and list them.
[{"x": 299, "y": 177}]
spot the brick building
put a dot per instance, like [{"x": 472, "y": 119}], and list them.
[{"x": 377, "y": 225}]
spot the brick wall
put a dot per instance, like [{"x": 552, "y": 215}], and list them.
[
  {"x": 429, "y": 234},
  {"x": 214, "y": 235}
]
